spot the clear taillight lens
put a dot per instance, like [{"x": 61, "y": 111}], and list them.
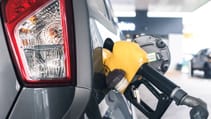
[{"x": 39, "y": 39}]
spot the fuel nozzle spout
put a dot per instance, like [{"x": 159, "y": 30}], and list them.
[{"x": 199, "y": 107}]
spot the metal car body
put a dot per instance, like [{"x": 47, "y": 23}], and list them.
[{"x": 88, "y": 24}]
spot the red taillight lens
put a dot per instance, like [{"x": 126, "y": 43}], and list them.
[
  {"x": 16, "y": 8},
  {"x": 38, "y": 35}
]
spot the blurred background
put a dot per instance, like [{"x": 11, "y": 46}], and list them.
[{"x": 185, "y": 26}]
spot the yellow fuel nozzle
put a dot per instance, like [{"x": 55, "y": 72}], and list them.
[{"x": 126, "y": 56}]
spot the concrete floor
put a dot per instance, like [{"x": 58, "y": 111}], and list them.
[{"x": 195, "y": 86}]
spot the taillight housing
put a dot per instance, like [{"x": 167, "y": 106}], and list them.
[{"x": 37, "y": 33}]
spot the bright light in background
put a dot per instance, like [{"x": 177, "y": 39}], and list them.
[
  {"x": 200, "y": 17},
  {"x": 173, "y": 8},
  {"x": 126, "y": 26},
  {"x": 197, "y": 25}
]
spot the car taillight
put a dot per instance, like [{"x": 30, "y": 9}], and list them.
[{"x": 37, "y": 31}]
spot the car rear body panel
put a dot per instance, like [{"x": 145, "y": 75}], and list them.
[
  {"x": 9, "y": 86},
  {"x": 42, "y": 103},
  {"x": 21, "y": 102}
]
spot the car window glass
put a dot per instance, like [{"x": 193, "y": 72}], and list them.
[
  {"x": 200, "y": 52},
  {"x": 203, "y": 52},
  {"x": 209, "y": 51}
]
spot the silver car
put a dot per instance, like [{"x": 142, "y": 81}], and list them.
[{"x": 46, "y": 55}]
